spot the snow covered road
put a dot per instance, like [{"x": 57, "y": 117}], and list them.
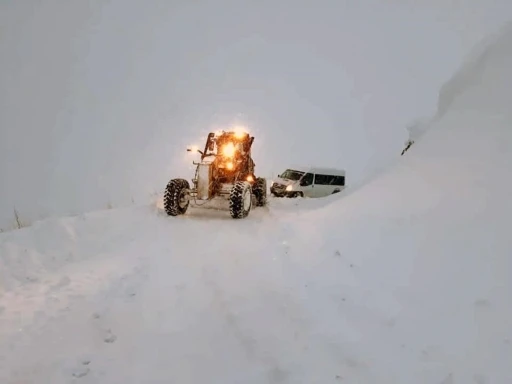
[
  {"x": 284, "y": 296},
  {"x": 172, "y": 297}
]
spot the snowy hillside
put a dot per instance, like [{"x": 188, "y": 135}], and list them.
[{"x": 407, "y": 279}]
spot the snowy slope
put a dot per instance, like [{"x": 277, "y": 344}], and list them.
[{"x": 406, "y": 279}]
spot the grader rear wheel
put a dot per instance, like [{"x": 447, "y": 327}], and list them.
[{"x": 260, "y": 192}]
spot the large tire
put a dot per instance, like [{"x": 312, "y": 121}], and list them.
[
  {"x": 260, "y": 191},
  {"x": 174, "y": 197},
  {"x": 240, "y": 200}
]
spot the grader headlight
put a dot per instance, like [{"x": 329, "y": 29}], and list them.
[{"x": 228, "y": 150}]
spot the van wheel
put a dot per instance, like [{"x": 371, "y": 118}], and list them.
[{"x": 335, "y": 191}]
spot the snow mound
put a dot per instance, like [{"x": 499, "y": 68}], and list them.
[
  {"x": 430, "y": 242},
  {"x": 33, "y": 253},
  {"x": 483, "y": 79},
  {"x": 406, "y": 279}
]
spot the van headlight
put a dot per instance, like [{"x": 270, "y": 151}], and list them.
[{"x": 289, "y": 188}]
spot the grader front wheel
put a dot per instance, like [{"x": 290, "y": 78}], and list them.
[
  {"x": 240, "y": 200},
  {"x": 175, "y": 197}
]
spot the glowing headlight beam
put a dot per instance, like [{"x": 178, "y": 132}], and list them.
[
  {"x": 228, "y": 150},
  {"x": 240, "y": 131}
]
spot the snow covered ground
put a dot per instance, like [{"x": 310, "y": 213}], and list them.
[{"x": 405, "y": 279}]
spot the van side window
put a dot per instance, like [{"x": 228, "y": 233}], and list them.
[
  {"x": 307, "y": 179},
  {"x": 323, "y": 179},
  {"x": 329, "y": 180},
  {"x": 339, "y": 180}
]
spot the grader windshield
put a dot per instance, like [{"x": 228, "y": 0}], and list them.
[
  {"x": 228, "y": 145},
  {"x": 233, "y": 149}
]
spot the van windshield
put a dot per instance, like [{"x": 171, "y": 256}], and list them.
[{"x": 290, "y": 174}]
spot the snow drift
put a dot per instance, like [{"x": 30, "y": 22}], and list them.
[{"x": 407, "y": 279}]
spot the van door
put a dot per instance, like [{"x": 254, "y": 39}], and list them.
[
  {"x": 323, "y": 186},
  {"x": 339, "y": 183},
  {"x": 306, "y": 185}
]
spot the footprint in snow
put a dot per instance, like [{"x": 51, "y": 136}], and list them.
[
  {"x": 81, "y": 372},
  {"x": 63, "y": 282},
  {"x": 110, "y": 338},
  {"x": 130, "y": 292}
]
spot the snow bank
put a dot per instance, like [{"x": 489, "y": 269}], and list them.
[
  {"x": 429, "y": 244},
  {"x": 33, "y": 253},
  {"x": 407, "y": 279},
  {"x": 482, "y": 80},
  {"x": 475, "y": 74}
]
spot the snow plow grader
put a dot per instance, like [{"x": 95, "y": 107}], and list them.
[{"x": 224, "y": 178}]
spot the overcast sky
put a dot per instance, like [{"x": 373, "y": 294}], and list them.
[{"x": 99, "y": 99}]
